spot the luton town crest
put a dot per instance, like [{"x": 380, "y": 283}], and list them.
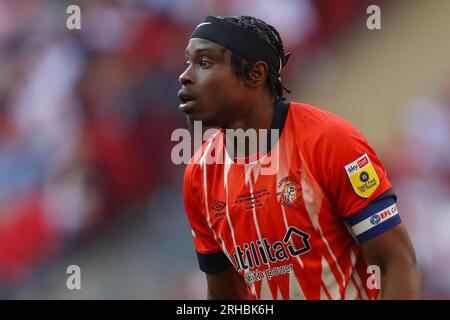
[{"x": 289, "y": 192}]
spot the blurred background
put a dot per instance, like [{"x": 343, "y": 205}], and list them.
[{"x": 86, "y": 117}]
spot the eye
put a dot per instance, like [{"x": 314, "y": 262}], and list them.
[
  {"x": 187, "y": 63},
  {"x": 204, "y": 63}
]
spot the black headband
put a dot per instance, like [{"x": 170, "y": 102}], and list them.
[{"x": 235, "y": 38}]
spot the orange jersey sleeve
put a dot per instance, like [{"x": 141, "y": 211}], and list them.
[{"x": 346, "y": 166}]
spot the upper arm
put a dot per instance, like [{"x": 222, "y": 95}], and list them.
[
  {"x": 227, "y": 284},
  {"x": 357, "y": 185},
  {"x": 392, "y": 246},
  {"x": 394, "y": 255}
]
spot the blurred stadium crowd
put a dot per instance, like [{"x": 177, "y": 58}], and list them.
[
  {"x": 419, "y": 166},
  {"x": 86, "y": 118}
]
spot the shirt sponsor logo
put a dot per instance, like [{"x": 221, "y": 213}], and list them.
[{"x": 256, "y": 253}]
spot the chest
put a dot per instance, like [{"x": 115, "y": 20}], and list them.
[{"x": 249, "y": 204}]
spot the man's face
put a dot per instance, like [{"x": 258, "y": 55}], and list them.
[{"x": 210, "y": 91}]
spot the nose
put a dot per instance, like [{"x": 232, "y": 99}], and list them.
[{"x": 186, "y": 77}]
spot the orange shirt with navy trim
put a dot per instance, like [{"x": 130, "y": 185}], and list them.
[{"x": 286, "y": 232}]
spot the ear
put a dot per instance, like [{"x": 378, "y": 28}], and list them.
[{"x": 258, "y": 74}]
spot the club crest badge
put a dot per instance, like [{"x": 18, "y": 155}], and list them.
[{"x": 289, "y": 192}]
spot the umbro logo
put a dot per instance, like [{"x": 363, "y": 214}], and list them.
[{"x": 219, "y": 205}]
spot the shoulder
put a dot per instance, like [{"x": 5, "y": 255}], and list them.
[
  {"x": 315, "y": 120},
  {"x": 317, "y": 126},
  {"x": 327, "y": 141}
]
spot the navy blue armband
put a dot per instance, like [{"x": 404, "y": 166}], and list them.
[{"x": 376, "y": 218}]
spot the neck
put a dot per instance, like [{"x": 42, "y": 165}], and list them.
[{"x": 257, "y": 116}]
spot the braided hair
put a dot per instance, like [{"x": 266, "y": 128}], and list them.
[{"x": 242, "y": 67}]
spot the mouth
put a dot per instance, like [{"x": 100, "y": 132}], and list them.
[{"x": 187, "y": 101}]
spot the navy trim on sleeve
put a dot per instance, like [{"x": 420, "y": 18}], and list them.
[
  {"x": 373, "y": 207},
  {"x": 213, "y": 262},
  {"x": 388, "y": 193}
]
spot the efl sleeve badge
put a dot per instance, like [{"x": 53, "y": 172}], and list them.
[{"x": 362, "y": 176}]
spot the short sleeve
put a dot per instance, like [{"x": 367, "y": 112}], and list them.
[
  {"x": 356, "y": 181},
  {"x": 352, "y": 173},
  {"x": 204, "y": 240}
]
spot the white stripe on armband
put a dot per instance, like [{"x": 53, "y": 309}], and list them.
[{"x": 374, "y": 220}]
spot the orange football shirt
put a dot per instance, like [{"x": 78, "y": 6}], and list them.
[{"x": 293, "y": 233}]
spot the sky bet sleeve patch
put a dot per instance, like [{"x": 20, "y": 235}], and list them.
[{"x": 362, "y": 176}]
